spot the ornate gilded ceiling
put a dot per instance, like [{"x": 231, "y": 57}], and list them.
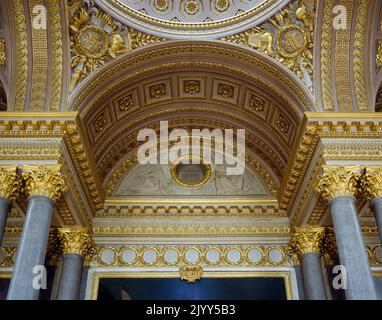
[{"x": 191, "y": 18}]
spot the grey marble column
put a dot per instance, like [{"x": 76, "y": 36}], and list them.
[
  {"x": 377, "y": 208},
  {"x": 314, "y": 285},
  {"x": 4, "y": 208},
  {"x": 70, "y": 280},
  {"x": 32, "y": 248},
  {"x": 351, "y": 249}
]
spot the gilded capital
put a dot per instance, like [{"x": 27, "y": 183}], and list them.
[
  {"x": 75, "y": 240},
  {"x": 329, "y": 247},
  {"x": 306, "y": 240},
  {"x": 10, "y": 182},
  {"x": 44, "y": 181},
  {"x": 338, "y": 181},
  {"x": 371, "y": 183}
]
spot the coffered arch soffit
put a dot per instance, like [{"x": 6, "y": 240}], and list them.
[{"x": 211, "y": 81}]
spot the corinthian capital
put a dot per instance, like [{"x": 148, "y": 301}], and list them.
[
  {"x": 371, "y": 183},
  {"x": 306, "y": 240},
  {"x": 338, "y": 181},
  {"x": 75, "y": 240},
  {"x": 44, "y": 181},
  {"x": 9, "y": 182}
]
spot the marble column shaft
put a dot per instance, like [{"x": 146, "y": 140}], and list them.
[
  {"x": 32, "y": 248},
  {"x": 314, "y": 285},
  {"x": 351, "y": 249},
  {"x": 70, "y": 279},
  {"x": 377, "y": 208}
]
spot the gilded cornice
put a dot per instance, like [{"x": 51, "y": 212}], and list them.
[
  {"x": 44, "y": 181},
  {"x": 109, "y": 230},
  {"x": 10, "y": 182},
  {"x": 306, "y": 240},
  {"x": 371, "y": 183},
  {"x": 75, "y": 240},
  {"x": 190, "y": 209}
]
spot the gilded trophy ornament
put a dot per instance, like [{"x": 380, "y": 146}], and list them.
[
  {"x": 10, "y": 182},
  {"x": 287, "y": 37},
  {"x": 371, "y": 183},
  {"x": 74, "y": 240},
  {"x": 339, "y": 181},
  {"x": 306, "y": 240},
  {"x": 93, "y": 42},
  {"x": 44, "y": 181}
]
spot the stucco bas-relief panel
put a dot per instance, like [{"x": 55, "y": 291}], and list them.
[{"x": 156, "y": 180}]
